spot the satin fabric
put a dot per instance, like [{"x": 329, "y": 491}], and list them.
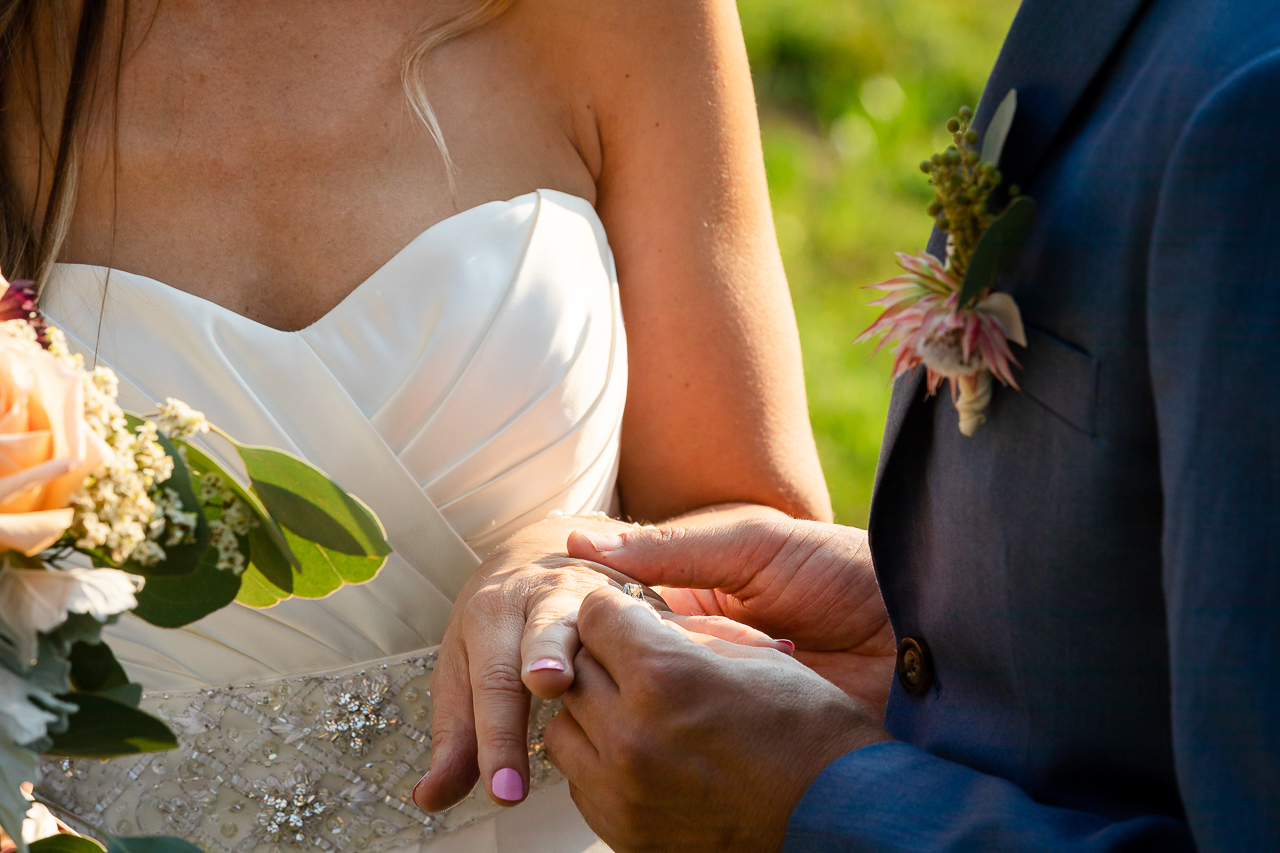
[{"x": 472, "y": 385}]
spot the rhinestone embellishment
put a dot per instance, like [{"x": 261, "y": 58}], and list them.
[
  {"x": 324, "y": 762},
  {"x": 359, "y": 713},
  {"x": 291, "y": 808}
]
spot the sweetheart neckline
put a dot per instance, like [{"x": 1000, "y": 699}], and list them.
[{"x": 359, "y": 287}]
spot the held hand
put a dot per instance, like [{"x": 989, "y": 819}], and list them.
[
  {"x": 679, "y": 746},
  {"x": 512, "y": 632},
  {"x": 810, "y": 582}
]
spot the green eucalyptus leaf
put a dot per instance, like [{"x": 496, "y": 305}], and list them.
[
  {"x": 65, "y": 842},
  {"x": 94, "y": 669},
  {"x": 203, "y": 464},
  {"x": 324, "y": 570},
  {"x": 304, "y": 500},
  {"x": 104, "y": 728},
  {"x": 171, "y": 602},
  {"x": 998, "y": 129},
  {"x": 17, "y": 765},
  {"x": 266, "y": 564},
  {"x": 151, "y": 844},
  {"x": 997, "y": 247},
  {"x": 257, "y": 591}
]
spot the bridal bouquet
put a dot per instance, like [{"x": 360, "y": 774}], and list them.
[{"x": 103, "y": 513}]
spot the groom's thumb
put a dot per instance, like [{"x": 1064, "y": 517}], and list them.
[{"x": 720, "y": 556}]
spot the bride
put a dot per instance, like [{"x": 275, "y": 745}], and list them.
[{"x": 374, "y": 232}]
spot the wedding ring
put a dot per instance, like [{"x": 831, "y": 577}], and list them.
[{"x": 634, "y": 590}]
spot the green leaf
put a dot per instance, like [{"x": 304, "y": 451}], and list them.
[
  {"x": 998, "y": 246},
  {"x": 151, "y": 844},
  {"x": 257, "y": 591},
  {"x": 103, "y": 729},
  {"x": 998, "y": 130},
  {"x": 64, "y": 842},
  {"x": 171, "y": 602},
  {"x": 203, "y": 464},
  {"x": 311, "y": 505},
  {"x": 269, "y": 561},
  {"x": 324, "y": 570},
  {"x": 17, "y": 765},
  {"x": 94, "y": 669}
]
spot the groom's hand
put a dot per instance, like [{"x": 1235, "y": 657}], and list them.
[
  {"x": 675, "y": 745},
  {"x": 808, "y": 582}
]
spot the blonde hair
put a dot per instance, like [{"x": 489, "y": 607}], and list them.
[{"x": 29, "y": 249}]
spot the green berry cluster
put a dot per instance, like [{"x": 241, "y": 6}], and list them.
[{"x": 963, "y": 186}]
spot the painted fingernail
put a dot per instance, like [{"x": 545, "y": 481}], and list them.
[
  {"x": 417, "y": 788},
  {"x": 787, "y": 646},
  {"x": 546, "y": 663},
  {"x": 507, "y": 785},
  {"x": 603, "y": 542}
]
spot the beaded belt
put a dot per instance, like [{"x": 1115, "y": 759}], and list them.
[{"x": 326, "y": 761}]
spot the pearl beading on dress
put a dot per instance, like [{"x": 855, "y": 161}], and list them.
[{"x": 317, "y": 761}]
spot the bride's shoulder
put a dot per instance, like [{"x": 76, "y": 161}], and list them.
[{"x": 653, "y": 39}]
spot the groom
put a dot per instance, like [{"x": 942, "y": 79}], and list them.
[{"x": 1086, "y": 593}]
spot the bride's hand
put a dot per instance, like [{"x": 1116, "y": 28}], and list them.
[
  {"x": 512, "y": 632},
  {"x": 810, "y": 582}
]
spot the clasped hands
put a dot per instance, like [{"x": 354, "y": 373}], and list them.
[{"x": 694, "y": 731}]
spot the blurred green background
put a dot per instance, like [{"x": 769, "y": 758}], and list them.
[{"x": 853, "y": 94}]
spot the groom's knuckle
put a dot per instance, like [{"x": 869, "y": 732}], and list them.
[{"x": 629, "y": 751}]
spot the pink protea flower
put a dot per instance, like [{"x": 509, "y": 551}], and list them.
[
  {"x": 18, "y": 302},
  {"x": 965, "y": 345}
]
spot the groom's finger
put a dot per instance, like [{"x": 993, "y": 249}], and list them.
[
  {"x": 726, "y": 557},
  {"x": 702, "y": 628},
  {"x": 626, "y": 636}
]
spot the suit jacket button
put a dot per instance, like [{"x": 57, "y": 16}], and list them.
[{"x": 915, "y": 666}]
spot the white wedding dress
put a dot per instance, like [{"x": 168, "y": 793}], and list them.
[{"x": 472, "y": 385}]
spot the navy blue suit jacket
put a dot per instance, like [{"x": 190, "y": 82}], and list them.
[{"x": 1096, "y": 571}]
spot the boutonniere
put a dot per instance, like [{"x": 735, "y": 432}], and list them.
[{"x": 947, "y": 315}]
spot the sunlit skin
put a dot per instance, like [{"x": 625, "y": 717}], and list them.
[{"x": 268, "y": 162}]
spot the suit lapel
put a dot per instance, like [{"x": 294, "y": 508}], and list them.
[{"x": 1054, "y": 50}]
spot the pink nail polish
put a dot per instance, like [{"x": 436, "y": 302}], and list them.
[
  {"x": 507, "y": 785},
  {"x": 790, "y": 647},
  {"x": 603, "y": 542},
  {"x": 546, "y": 663},
  {"x": 418, "y": 787}
]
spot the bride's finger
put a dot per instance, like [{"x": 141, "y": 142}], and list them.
[
  {"x": 453, "y": 770},
  {"x": 492, "y": 628},
  {"x": 723, "y": 628},
  {"x": 550, "y": 643}
]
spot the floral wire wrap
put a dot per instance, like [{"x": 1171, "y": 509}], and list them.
[{"x": 318, "y": 761}]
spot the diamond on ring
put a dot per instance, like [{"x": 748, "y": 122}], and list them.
[{"x": 634, "y": 590}]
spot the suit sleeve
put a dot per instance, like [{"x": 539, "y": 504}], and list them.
[
  {"x": 896, "y": 797},
  {"x": 1213, "y": 307},
  {"x": 1213, "y": 327}
]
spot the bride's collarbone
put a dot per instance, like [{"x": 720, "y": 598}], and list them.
[{"x": 274, "y": 186}]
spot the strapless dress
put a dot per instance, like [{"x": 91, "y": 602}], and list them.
[{"x": 473, "y": 385}]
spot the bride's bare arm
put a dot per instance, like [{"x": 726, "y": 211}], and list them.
[{"x": 716, "y": 409}]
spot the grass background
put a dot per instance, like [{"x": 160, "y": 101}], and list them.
[{"x": 853, "y": 94}]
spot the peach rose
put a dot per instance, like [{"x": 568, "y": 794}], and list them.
[{"x": 46, "y": 447}]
